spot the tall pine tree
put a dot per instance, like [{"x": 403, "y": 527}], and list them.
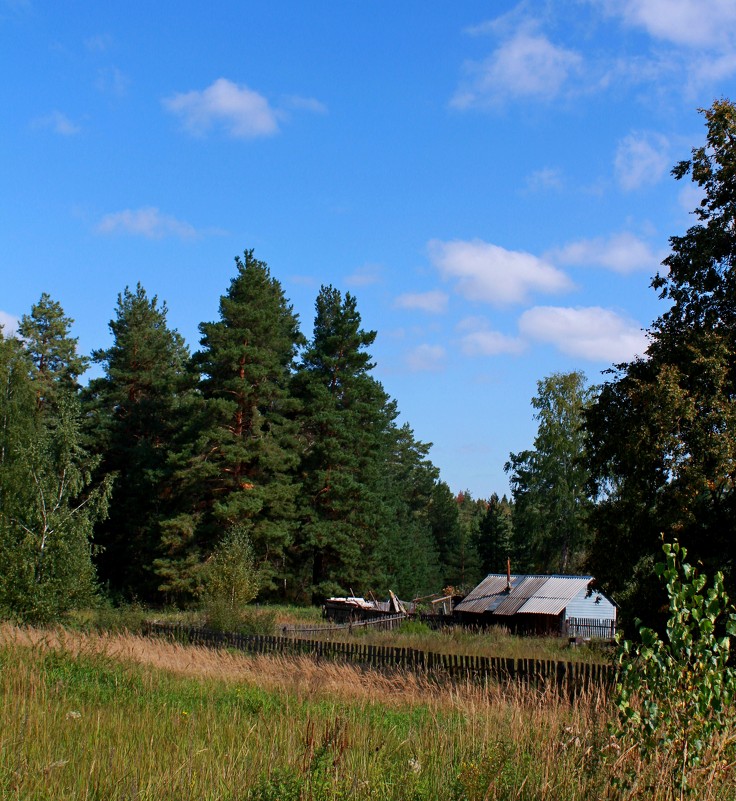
[
  {"x": 135, "y": 413},
  {"x": 346, "y": 418},
  {"x": 239, "y": 465}
]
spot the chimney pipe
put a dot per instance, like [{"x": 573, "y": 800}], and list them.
[{"x": 508, "y": 575}]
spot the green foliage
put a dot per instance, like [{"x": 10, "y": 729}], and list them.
[
  {"x": 676, "y": 696},
  {"x": 346, "y": 423},
  {"x": 548, "y": 483},
  {"x": 45, "y": 333},
  {"x": 238, "y": 460},
  {"x": 48, "y": 501},
  {"x": 495, "y": 538},
  {"x": 663, "y": 432},
  {"x": 230, "y": 580},
  {"x": 134, "y": 415}
]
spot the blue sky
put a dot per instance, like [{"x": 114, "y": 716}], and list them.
[{"x": 489, "y": 179}]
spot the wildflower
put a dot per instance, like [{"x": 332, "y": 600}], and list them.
[{"x": 73, "y": 715}]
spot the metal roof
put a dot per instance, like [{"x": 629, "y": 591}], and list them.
[
  {"x": 531, "y": 594},
  {"x": 555, "y": 595},
  {"x": 519, "y": 596}
]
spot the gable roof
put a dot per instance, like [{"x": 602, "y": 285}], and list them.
[{"x": 530, "y": 594}]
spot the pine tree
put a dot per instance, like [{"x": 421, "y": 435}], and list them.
[
  {"x": 495, "y": 536},
  {"x": 447, "y": 533},
  {"x": 407, "y": 558},
  {"x": 135, "y": 414},
  {"x": 239, "y": 463},
  {"x": 346, "y": 418},
  {"x": 45, "y": 332}
]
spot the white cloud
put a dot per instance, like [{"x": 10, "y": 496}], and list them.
[
  {"x": 480, "y": 340},
  {"x": 683, "y": 22},
  {"x": 591, "y": 332},
  {"x": 146, "y": 222},
  {"x": 702, "y": 35},
  {"x": 57, "y": 122},
  {"x": 544, "y": 179},
  {"x": 113, "y": 81},
  {"x": 623, "y": 253},
  {"x": 9, "y": 323},
  {"x": 525, "y": 65},
  {"x": 366, "y": 275},
  {"x": 242, "y": 112},
  {"x": 98, "y": 43},
  {"x": 426, "y": 358},
  {"x": 641, "y": 160},
  {"x": 492, "y": 274},
  {"x": 690, "y": 196},
  {"x": 434, "y": 302},
  {"x": 305, "y": 104}
]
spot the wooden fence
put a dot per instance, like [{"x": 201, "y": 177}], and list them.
[
  {"x": 569, "y": 677},
  {"x": 590, "y": 628},
  {"x": 385, "y": 623}
]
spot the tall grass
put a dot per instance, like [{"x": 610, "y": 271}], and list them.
[{"x": 114, "y": 716}]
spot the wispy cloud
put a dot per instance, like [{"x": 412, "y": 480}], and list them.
[
  {"x": 544, "y": 180},
  {"x": 623, "y": 253},
  {"x": 240, "y": 111},
  {"x": 146, "y": 222},
  {"x": 592, "y": 332},
  {"x": 57, "y": 122},
  {"x": 98, "y": 43},
  {"x": 298, "y": 103},
  {"x": 426, "y": 358},
  {"x": 9, "y": 323},
  {"x": 434, "y": 302},
  {"x": 112, "y": 81},
  {"x": 641, "y": 160},
  {"x": 478, "y": 339},
  {"x": 492, "y": 274},
  {"x": 525, "y": 65},
  {"x": 683, "y": 22},
  {"x": 702, "y": 36},
  {"x": 365, "y": 275}
]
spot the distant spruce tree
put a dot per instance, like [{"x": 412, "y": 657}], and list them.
[
  {"x": 238, "y": 462},
  {"x": 346, "y": 417},
  {"x": 447, "y": 533},
  {"x": 407, "y": 558},
  {"x": 495, "y": 536},
  {"x": 135, "y": 413}
]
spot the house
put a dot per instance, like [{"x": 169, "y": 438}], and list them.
[{"x": 534, "y": 604}]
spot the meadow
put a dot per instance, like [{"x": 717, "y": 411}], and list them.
[{"x": 111, "y": 715}]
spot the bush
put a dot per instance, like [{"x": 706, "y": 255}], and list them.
[
  {"x": 230, "y": 580},
  {"x": 675, "y": 697}
]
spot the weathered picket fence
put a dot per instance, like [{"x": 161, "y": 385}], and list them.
[
  {"x": 384, "y": 623},
  {"x": 590, "y": 628},
  {"x": 569, "y": 677}
]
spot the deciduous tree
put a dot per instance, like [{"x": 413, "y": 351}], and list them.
[
  {"x": 549, "y": 481},
  {"x": 663, "y": 432}
]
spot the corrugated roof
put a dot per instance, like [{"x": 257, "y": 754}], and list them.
[
  {"x": 520, "y": 594},
  {"x": 532, "y": 594}
]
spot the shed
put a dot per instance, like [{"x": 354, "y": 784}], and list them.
[{"x": 539, "y": 604}]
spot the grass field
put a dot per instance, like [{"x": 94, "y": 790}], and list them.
[{"x": 115, "y": 716}]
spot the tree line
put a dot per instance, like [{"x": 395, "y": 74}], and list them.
[{"x": 130, "y": 483}]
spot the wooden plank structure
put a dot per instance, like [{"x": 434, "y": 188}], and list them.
[{"x": 570, "y": 678}]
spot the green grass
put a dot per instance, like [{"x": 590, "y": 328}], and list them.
[{"x": 79, "y": 719}]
